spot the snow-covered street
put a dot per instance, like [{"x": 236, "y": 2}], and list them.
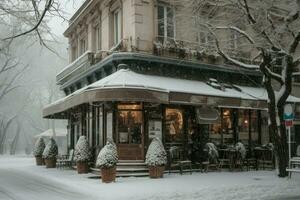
[{"x": 21, "y": 179}]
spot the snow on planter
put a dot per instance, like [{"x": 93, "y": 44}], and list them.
[
  {"x": 82, "y": 151},
  {"x": 108, "y": 156},
  {"x": 39, "y": 147},
  {"x": 51, "y": 150},
  {"x": 241, "y": 148},
  {"x": 156, "y": 154},
  {"x": 213, "y": 153}
]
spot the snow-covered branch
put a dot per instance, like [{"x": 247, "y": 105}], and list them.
[
  {"x": 294, "y": 44},
  {"x": 234, "y": 28},
  {"x": 226, "y": 56},
  {"x": 35, "y": 27}
]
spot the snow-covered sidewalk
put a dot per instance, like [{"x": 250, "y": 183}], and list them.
[{"x": 21, "y": 179}]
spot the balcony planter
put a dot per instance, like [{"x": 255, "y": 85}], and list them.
[
  {"x": 82, "y": 155},
  {"x": 38, "y": 151},
  {"x": 107, "y": 161},
  {"x": 156, "y": 159},
  {"x": 50, "y": 153}
]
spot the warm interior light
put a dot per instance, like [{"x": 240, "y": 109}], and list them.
[
  {"x": 226, "y": 112},
  {"x": 246, "y": 121}
]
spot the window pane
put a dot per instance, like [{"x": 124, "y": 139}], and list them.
[
  {"x": 243, "y": 126},
  {"x": 170, "y": 22},
  {"x": 160, "y": 20},
  {"x": 130, "y": 127},
  {"x": 174, "y": 125},
  {"x": 254, "y": 127},
  {"x": 215, "y": 133},
  {"x": 228, "y": 126}
]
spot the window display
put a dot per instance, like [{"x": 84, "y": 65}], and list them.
[{"x": 174, "y": 125}]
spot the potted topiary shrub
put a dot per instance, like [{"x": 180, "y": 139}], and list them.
[
  {"x": 107, "y": 161},
  {"x": 38, "y": 151},
  {"x": 50, "y": 154},
  {"x": 82, "y": 155},
  {"x": 156, "y": 159}
]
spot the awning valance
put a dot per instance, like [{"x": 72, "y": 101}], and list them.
[{"x": 126, "y": 85}]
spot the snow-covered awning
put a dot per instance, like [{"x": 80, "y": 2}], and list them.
[
  {"x": 50, "y": 133},
  {"x": 126, "y": 85}
]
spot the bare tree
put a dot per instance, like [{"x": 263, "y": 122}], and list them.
[
  {"x": 269, "y": 30},
  {"x": 32, "y": 17}
]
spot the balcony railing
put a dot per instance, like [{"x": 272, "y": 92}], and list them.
[
  {"x": 81, "y": 63},
  {"x": 168, "y": 47}
]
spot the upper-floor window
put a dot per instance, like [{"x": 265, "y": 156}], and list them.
[
  {"x": 98, "y": 37},
  {"x": 74, "y": 52},
  {"x": 165, "y": 21},
  {"x": 117, "y": 26},
  {"x": 233, "y": 40},
  {"x": 206, "y": 40},
  {"x": 83, "y": 46}
]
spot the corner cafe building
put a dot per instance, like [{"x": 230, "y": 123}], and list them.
[{"x": 133, "y": 107}]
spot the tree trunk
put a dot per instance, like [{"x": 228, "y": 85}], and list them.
[{"x": 278, "y": 135}]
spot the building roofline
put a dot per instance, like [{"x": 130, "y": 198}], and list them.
[{"x": 76, "y": 16}]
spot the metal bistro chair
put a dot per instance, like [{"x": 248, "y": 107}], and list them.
[
  {"x": 66, "y": 160},
  {"x": 176, "y": 161}
]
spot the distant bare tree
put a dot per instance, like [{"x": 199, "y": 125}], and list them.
[{"x": 32, "y": 17}]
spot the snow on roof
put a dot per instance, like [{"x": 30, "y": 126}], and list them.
[
  {"x": 49, "y": 133},
  {"x": 125, "y": 78},
  {"x": 129, "y": 79}
]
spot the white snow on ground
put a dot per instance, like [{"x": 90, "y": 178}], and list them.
[{"x": 21, "y": 179}]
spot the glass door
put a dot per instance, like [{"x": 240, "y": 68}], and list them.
[{"x": 130, "y": 132}]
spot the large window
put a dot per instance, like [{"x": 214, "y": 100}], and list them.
[
  {"x": 83, "y": 46},
  {"x": 174, "y": 125},
  {"x": 97, "y": 32},
  {"x": 117, "y": 26},
  {"x": 73, "y": 52},
  {"x": 228, "y": 126},
  {"x": 215, "y": 133},
  {"x": 254, "y": 126},
  {"x": 165, "y": 22},
  {"x": 130, "y": 123},
  {"x": 243, "y": 126}
]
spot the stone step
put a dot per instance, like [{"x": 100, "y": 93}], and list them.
[
  {"x": 134, "y": 170},
  {"x": 132, "y": 174},
  {"x": 131, "y": 164},
  {"x": 131, "y": 161},
  {"x": 97, "y": 172}
]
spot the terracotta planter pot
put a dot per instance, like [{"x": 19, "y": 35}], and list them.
[
  {"x": 82, "y": 167},
  {"x": 39, "y": 160},
  {"x": 108, "y": 175},
  {"x": 50, "y": 163},
  {"x": 156, "y": 171}
]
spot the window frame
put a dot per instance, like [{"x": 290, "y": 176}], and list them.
[
  {"x": 165, "y": 21},
  {"x": 117, "y": 26}
]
